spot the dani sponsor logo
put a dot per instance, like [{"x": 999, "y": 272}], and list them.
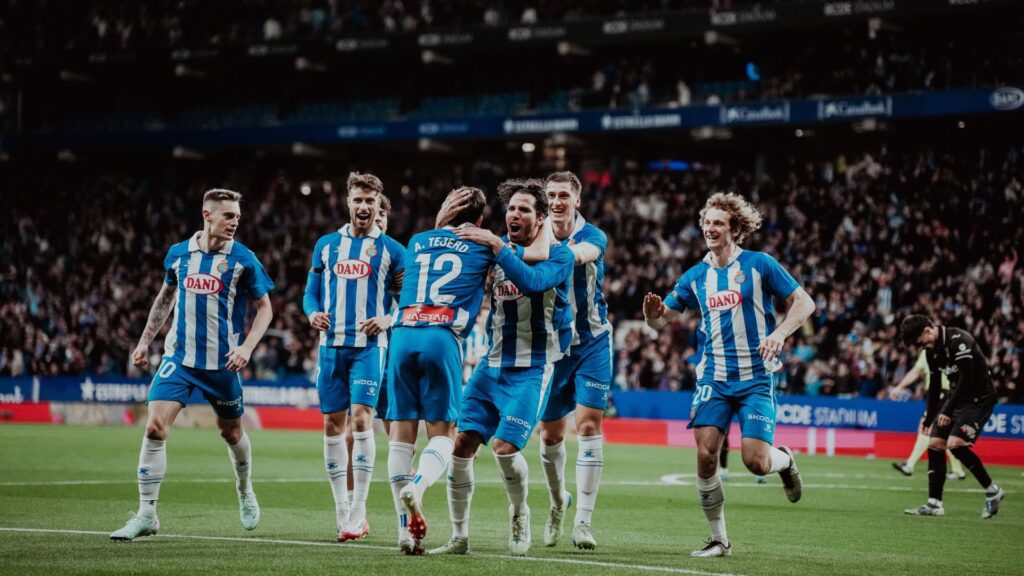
[
  {"x": 203, "y": 284},
  {"x": 351, "y": 269}
]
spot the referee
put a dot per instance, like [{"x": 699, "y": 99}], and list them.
[{"x": 956, "y": 422}]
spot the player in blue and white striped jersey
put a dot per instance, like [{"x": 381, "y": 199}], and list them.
[
  {"x": 583, "y": 379},
  {"x": 352, "y": 271},
  {"x": 733, "y": 288},
  {"x": 437, "y": 309},
  {"x": 530, "y": 328},
  {"x": 208, "y": 280}
]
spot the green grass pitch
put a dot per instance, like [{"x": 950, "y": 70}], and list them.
[{"x": 64, "y": 488}]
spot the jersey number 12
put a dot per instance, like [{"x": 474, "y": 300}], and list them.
[{"x": 435, "y": 288}]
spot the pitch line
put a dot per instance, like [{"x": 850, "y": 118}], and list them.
[
  {"x": 594, "y": 563},
  {"x": 668, "y": 480}
]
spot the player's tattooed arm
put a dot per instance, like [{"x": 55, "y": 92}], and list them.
[{"x": 158, "y": 314}]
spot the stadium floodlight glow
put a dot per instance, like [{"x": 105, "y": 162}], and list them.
[
  {"x": 305, "y": 189},
  {"x": 302, "y": 149},
  {"x": 566, "y": 48},
  {"x": 303, "y": 64},
  {"x": 186, "y": 71},
  {"x": 183, "y": 153},
  {"x": 69, "y": 76},
  {"x": 529, "y": 147},
  {"x": 431, "y": 57}
]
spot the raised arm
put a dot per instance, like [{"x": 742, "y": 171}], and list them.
[
  {"x": 539, "y": 277},
  {"x": 157, "y": 316},
  {"x": 539, "y": 250},
  {"x": 585, "y": 253},
  {"x": 656, "y": 313}
]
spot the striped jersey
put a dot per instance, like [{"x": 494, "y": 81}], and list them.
[
  {"x": 349, "y": 278},
  {"x": 444, "y": 281},
  {"x": 531, "y": 320},
  {"x": 212, "y": 298},
  {"x": 586, "y": 294},
  {"x": 737, "y": 311}
]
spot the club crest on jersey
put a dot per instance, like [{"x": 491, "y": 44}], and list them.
[
  {"x": 351, "y": 269},
  {"x": 222, "y": 266},
  {"x": 724, "y": 300},
  {"x": 203, "y": 284},
  {"x": 506, "y": 291},
  {"x": 740, "y": 277},
  {"x": 371, "y": 251}
]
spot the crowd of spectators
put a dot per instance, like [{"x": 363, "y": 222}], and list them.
[
  {"x": 855, "y": 58},
  {"x": 872, "y": 236},
  {"x": 120, "y": 25}
]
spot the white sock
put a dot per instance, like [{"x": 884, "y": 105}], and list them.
[
  {"x": 433, "y": 462},
  {"x": 241, "y": 459},
  {"x": 516, "y": 474},
  {"x": 780, "y": 460},
  {"x": 152, "y": 467},
  {"x": 935, "y": 502},
  {"x": 399, "y": 474},
  {"x": 460, "y": 495},
  {"x": 552, "y": 461},
  {"x": 364, "y": 450},
  {"x": 336, "y": 463},
  {"x": 589, "y": 464},
  {"x": 712, "y": 501}
]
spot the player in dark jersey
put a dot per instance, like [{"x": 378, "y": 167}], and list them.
[{"x": 956, "y": 421}]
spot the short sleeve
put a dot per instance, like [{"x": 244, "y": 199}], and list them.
[
  {"x": 594, "y": 235},
  {"x": 922, "y": 362},
  {"x": 316, "y": 262},
  {"x": 682, "y": 296},
  {"x": 257, "y": 281},
  {"x": 397, "y": 256},
  {"x": 171, "y": 268},
  {"x": 780, "y": 283}
]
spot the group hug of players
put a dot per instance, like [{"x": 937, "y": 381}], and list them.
[{"x": 549, "y": 355}]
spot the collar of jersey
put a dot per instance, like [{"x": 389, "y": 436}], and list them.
[
  {"x": 193, "y": 244},
  {"x": 710, "y": 257},
  {"x": 373, "y": 233}
]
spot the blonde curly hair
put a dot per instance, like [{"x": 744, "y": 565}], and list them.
[{"x": 744, "y": 219}]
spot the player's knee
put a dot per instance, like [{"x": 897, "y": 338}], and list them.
[
  {"x": 589, "y": 427},
  {"x": 362, "y": 421},
  {"x": 465, "y": 446},
  {"x": 936, "y": 444},
  {"x": 334, "y": 424},
  {"x": 156, "y": 430},
  {"x": 957, "y": 447},
  {"x": 502, "y": 448},
  {"x": 232, "y": 435},
  {"x": 757, "y": 464},
  {"x": 551, "y": 437}
]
